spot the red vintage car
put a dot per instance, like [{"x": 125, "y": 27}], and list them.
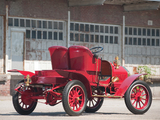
[{"x": 80, "y": 80}]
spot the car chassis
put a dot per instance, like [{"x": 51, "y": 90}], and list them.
[{"x": 80, "y": 80}]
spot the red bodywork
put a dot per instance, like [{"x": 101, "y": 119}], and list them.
[{"x": 78, "y": 63}]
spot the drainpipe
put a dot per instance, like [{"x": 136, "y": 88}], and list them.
[
  {"x": 68, "y": 30},
  {"x": 5, "y": 40},
  {"x": 123, "y": 43}
]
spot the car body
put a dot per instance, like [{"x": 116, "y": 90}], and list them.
[{"x": 80, "y": 80}]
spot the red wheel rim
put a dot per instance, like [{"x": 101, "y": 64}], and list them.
[
  {"x": 93, "y": 102},
  {"x": 76, "y": 98},
  {"x": 24, "y": 98},
  {"x": 139, "y": 97}
]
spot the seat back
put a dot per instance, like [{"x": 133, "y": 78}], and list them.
[
  {"x": 81, "y": 58},
  {"x": 59, "y": 57},
  {"x": 106, "y": 68}
]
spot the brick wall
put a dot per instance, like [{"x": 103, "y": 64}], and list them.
[
  {"x": 57, "y": 9},
  {"x": 5, "y": 88}
]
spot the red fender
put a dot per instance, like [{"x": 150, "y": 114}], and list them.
[
  {"x": 25, "y": 73},
  {"x": 125, "y": 85},
  {"x": 77, "y": 75}
]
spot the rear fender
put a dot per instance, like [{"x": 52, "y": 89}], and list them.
[
  {"x": 125, "y": 85},
  {"x": 25, "y": 73},
  {"x": 76, "y": 75}
]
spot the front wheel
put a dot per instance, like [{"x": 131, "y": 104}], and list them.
[
  {"x": 74, "y": 98},
  {"x": 138, "y": 97},
  {"x": 22, "y": 101}
]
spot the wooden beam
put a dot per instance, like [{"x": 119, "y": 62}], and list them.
[
  {"x": 85, "y": 2},
  {"x": 142, "y": 6}
]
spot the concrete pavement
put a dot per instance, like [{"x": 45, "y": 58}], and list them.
[{"x": 112, "y": 109}]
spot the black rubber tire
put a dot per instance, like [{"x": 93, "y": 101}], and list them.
[
  {"x": 65, "y": 97},
  {"x": 127, "y": 97},
  {"x": 96, "y": 107},
  {"x": 18, "y": 108}
]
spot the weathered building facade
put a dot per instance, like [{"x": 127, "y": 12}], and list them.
[{"x": 28, "y": 28}]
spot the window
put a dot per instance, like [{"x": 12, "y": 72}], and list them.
[
  {"x": 157, "y": 32},
  {"x": 86, "y": 38},
  {"x": 153, "y": 42},
  {"x": 10, "y": 21},
  {"x": 130, "y": 31},
  {"x": 38, "y": 34},
  {"x": 126, "y": 40},
  {"x": 148, "y": 42},
  {"x": 96, "y": 28},
  {"x": 81, "y": 27},
  {"x": 144, "y": 41},
  {"x": 94, "y": 33},
  {"x": 40, "y": 29},
  {"x": 38, "y": 24},
  {"x": 111, "y": 39},
  {"x": 130, "y": 41},
  {"x": 157, "y": 42},
  {"x": 111, "y": 29},
  {"x": 61, "y": 25},
  {"x": 76, "y": 27},
  {"x": 33, "y": 34},
  {"x": 87, "y": 28},
  {"x": 141, "y": 36},
  {"x": 71, "y": 26},
  {"x": 82, "y": 37},
  {"x": 115, "y": 40},
  {"x": 139, "y": 31},
  {"x": 44, "y": 34},
  {"x": 33, "y": 23},
  {"x": 106, "y": 39},
  {"x": 101, "y": 39},
  {"x": 60, "y": 36},
  {"x": 55, "y": 36},
  {"x": 28, "y": 34},
  {"x": 97, "y": 38},
  {"x": 76, "y": 37},
  {"x": 27, "y": 23},
  {"x": 92, "y": 28},
  {"x": 135, "y": 31},
  {"x": 116, "y": 30},
  {"x": 50, "y": 35},
  {"x": 91, "y": 38},
  {"x": 22, "y": 23},
  {"x": 139, "y": 41},
  {"x": 44, "y": 24},
  {"x": 16, "y": 22},
  {"x": 134, "y": 41},
  {"x": 101, "y": 29},
  {"x": 71, "y": 37},
  {"x": 49, "y": 24},
  {"x": 55, "y": 25},
  {"x": 106, "y": 29}
]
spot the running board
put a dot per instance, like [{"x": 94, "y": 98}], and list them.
[{"x": 108, "y": 96}]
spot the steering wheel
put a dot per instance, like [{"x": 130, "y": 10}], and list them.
[{"x": 96, "y": 49}]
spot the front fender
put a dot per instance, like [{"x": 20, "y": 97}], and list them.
[
  {"x": 125, "y": 85},
  {"x": 25, "y": 73}
]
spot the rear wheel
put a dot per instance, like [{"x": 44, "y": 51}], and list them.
[
  {"x": 22, "y": 101},
  {"x": 94, "y": 104},
  {"x": 74, "y": 98},
  {"x": 138, "y": 97}
]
